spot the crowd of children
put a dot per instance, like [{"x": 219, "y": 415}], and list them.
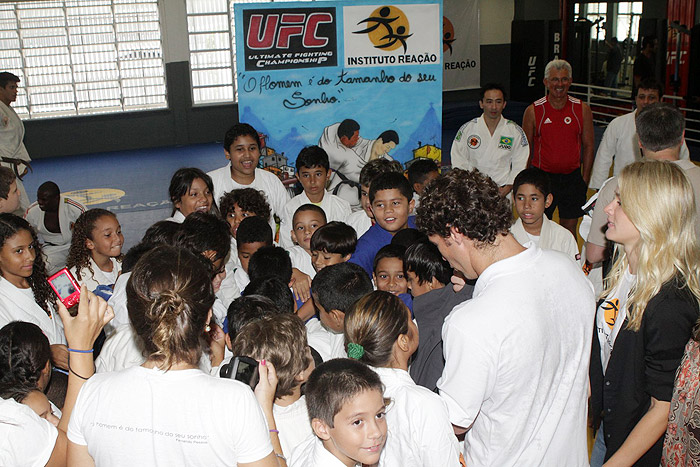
[{"x": 341, "y": 313}]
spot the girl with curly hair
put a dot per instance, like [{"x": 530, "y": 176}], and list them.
[
  {"x": 95, "y": 252},
  {"x": 25, "y": 294}
]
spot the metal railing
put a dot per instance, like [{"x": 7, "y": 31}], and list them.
[{"x": 608, "y": 103}]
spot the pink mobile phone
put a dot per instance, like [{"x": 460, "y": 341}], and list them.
[{"x": 67, "y": 288}]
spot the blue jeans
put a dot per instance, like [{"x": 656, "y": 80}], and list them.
[{"x": 599, "y": 449}]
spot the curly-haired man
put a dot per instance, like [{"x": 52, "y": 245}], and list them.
[{"x": 516, "y": 354}]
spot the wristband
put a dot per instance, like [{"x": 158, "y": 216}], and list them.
[
  {"x": 275, "y": 431},
  {"x": 76, "y": 374},
  {"x": 81, "y": 351}
]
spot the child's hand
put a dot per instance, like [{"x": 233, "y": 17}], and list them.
[
  {"x": 265, "y": 390},
  {"x": 59, "y": 356},
  {"x": 301, "y": 285},
  {"x": 217, "y": 344},
  {"x": 306, "y": 311}
]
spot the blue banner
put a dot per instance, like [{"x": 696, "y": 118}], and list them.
[{"x": 362, "y": 80}]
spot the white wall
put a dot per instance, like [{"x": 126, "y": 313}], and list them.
[{"x": 495, "y": 17}]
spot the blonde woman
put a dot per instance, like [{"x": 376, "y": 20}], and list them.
[{"x": 650, "y": 306}]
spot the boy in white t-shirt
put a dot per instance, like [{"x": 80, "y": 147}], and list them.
[
  {"x": 347, "y": 409},
  {"x": 313, "y": 172},
  {"x": 533, "y": 195},
  {"x": 281, "y": 339}
]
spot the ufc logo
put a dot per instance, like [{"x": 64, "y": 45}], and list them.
[{"x": 278, "y": 31}]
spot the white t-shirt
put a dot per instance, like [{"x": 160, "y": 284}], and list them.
[
  {"x": 530, "y": 238},
  {"x": 328, "y": 344},
  {"x": 123, "y": 349},
  {"x": 611, "y": 315},
  {"x": 27, "y": 439},
  {"x": 421, "y": 433},
  {"x": 335, "y": 207},
  {"x": 312, "y": 453},
  {"x": 264, "y": 181},
  {"x": 516, "y": 362},
  {"x": 143, "y": 416},
  {"x": 293, "y": 424}
]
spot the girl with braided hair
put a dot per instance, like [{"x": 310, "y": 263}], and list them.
[
  {"x": 25, "y": 368},
  {"x": 163, "y": 410},
  {"x": 25, "y": 294},
  {"x": 95, "y": 252},
  {"x": 379, "y": 332}
]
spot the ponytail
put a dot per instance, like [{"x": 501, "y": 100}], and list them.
[{"x": 169, "y": 295}]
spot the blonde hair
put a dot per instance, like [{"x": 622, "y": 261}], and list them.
[{"x": 658, "y": 199}]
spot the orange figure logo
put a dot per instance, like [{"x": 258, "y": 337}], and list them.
[
  {"x": 448, "y": 35},
  {"x": 387, "y": 28}
]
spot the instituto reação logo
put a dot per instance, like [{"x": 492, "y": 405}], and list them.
[{"x": 387, "y": 28}]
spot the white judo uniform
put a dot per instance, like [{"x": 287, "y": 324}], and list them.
[
  {"x": 267, "y": 182},
  {"x": 348, "y": 161},
  {"x": 55, "y": 245},
  {"x": 328, "y": 344},
  {"x": 98, "y": 276},
  {"x": 621, "y": 144},
  {"x": 19, "y": 305},
  {"x": 312, "y": 453},
  {"x": 12, "y": 146},
  {"x": 301, "y": 260},
  {"x": 421, "y": 432},
  {"x": 177, "y": 216},
  {"x": 359, "y": 221},
  {"x": 552, "y": 237},
  {"x": 501, "y": 156},
  {"x": 335, "y": 207}
]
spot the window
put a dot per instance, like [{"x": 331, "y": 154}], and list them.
[
  {"x": 595, "y": 13},
  {"x": 83, "y": 56},
  {"x": 628, "y": 15},
  {"x": 212, "y": 38}
]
